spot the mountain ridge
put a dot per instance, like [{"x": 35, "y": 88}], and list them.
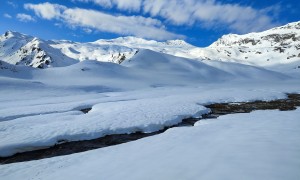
[{"x": 277, "y": 49}]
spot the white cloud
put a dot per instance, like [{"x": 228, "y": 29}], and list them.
[
  {"x": 12, "y": 4},
  {"x": 208, "y": 13},
  {"x": 87, "y": 30},
  {"x": 176, "y": 12},
  {"x": 235, "y": 17},
  {"x": 90, "y": 19},
  {"x": 7, "y": 16},
  {"x": 103, "y": 3},
  {"x": 58, "y": 25},
  {"x": 131, "y": 5},
  {"x": 46, "y": 10},
  {"x": 25, "y": 17}
]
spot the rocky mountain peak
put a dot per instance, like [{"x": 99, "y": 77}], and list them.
[{"x": 279, "y": 36}]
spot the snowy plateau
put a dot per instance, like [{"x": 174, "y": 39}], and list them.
[{"x": 133, "y": 85}]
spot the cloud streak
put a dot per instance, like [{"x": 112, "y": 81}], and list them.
[
  {"x": 130, "y": 5},
  {"x": 85, "y": 18},
  {"x": 7, "y": 16},
  {"x": 208, "y": 13},
  {"x": 25, "y": 17},
  {"x": 46, "y": 10}
]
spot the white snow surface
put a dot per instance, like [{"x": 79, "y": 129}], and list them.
[
  {"x": 259, "y": 145},
  {"x": 146, "y": 93}
]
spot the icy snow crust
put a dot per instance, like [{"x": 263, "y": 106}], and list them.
[{"x": 259, "y": 145}]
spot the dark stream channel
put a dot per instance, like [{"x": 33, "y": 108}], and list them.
[{"x": 218, "y": 109}]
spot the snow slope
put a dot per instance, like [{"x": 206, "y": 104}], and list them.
[
  {"x": 259, "y": 145},
  {"x": 276, "y": 49},
  {"x": 36, "y": 121},
  {"x": 201, "y": 70}
]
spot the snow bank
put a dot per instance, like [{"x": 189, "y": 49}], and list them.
[
  {"x": 41, "y": 130},
  {"x": 259, "y": 145}
]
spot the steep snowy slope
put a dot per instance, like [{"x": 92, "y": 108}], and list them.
[
  {"x": 20, "y": 49},
  {"x": 277, "y": 48},
  {"x": 115, "y": 53}
]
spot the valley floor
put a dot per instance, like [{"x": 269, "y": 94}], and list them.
[
  {"x": 259, "y": 145},
  {"x": 40, "y": 108}
]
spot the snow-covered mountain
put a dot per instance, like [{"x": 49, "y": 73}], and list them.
[
  {"x": 17, "y": 48},
  {"x": 115, "y": 53},
  {"x": 275, "y": 49},
  {"x": 119, "y": 49},
  {"x": 20, "y": 49}
]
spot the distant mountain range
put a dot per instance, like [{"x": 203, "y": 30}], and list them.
[{"x": 276, "y": 49}]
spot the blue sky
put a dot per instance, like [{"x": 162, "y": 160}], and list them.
[{"x": 199, "y": 22}]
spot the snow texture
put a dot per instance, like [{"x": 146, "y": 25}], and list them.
[
  {"x": 259, "y": 145},
  {"x": 50, "y": 100}
]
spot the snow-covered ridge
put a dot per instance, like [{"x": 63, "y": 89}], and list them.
[
  {"x": 140, "y": 42},
  {"x": 279, "y": 36},
  {"x": 17, "y": 48},
  {"x": 276, "y": 49},
  {"x": 20, "y": 49}
]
